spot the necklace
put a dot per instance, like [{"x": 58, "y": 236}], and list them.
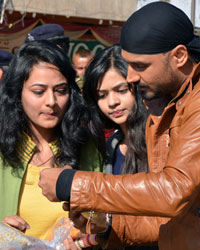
[
  {"x": 46, "y": 161},
  {"x": 40, "y": 164}
]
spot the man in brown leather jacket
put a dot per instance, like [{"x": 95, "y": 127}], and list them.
[{"x": 163, "y": 53}]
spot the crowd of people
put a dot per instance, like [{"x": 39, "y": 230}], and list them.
[{"x": 137, "y": 189}]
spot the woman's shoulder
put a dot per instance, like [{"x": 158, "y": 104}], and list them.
[{"x": 113, "y": 141}]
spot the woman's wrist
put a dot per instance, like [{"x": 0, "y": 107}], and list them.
[{"x": 87, "y": 240}]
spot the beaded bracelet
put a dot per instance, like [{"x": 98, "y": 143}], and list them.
[{"x": 86, "y": 240}]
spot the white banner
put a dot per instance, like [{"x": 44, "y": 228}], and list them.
[{"x": 184, "y": 5}]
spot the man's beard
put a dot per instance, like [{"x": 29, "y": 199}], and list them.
[
  {"x": 149, "y": 98},
  {"x": 144, "y": 94}
]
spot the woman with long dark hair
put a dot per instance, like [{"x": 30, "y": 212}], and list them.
[
  {"x": 42, "y": 124},
  {"x": 113, "y": 103}
]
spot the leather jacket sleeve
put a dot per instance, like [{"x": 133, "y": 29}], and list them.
[{"x": 151, "y": 194}]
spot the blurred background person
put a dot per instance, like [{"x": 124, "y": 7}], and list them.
[{"x": 80, "y": 61}]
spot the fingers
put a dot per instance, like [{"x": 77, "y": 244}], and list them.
[
  {"x": 78, "y": 220},
  {"x": 66, "y": 206},
  {"x": 96, "y": 229},
  {"x": 74, "y": 214},
  {"x": 16, "y": 222},
  {"x": 47, "y": 182},
  {"x": 70, "y": 244}
]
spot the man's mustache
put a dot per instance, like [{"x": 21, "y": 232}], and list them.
[{"x": 141, "y": 84}]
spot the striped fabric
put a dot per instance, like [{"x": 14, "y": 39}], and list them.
[{"x": 27, "y": 147}]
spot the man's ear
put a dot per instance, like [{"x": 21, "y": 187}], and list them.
[{"x": 180, "y": 55}]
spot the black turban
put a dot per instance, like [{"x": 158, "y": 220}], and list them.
[{"x": 156, "y": 28}]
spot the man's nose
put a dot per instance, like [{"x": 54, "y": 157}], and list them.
[{"x": 132, "y": 75}]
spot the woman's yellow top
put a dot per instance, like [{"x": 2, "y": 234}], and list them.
[
  {"x": 36, "y": 209},
  {"x": 33, "y": 207}
]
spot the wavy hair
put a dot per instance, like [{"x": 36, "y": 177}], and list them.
[
  {"x": 135, "y": 159},
  {"x": 13, "y": 120}
]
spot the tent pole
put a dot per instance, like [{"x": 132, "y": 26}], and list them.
[{"x": 193, "y": 5}]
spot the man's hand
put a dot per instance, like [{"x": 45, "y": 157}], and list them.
[
  {"x": 66, "y": 206},
  {"x": 16, "y": 222},
  {"x": 47, "y": 182},
  {"x": 80, "y": 222}
]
